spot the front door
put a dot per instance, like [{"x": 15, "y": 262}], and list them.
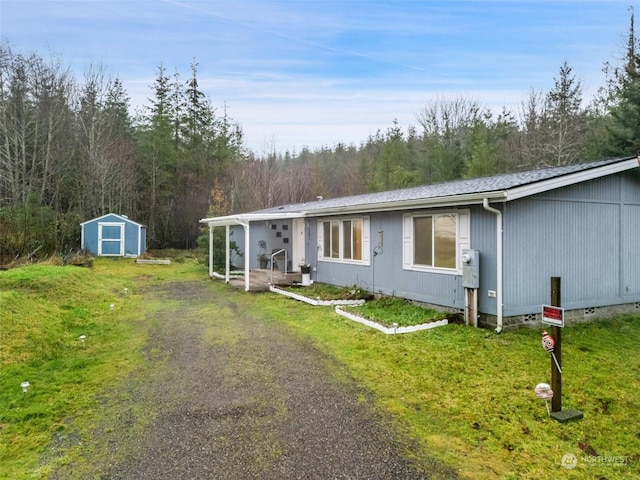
[
  {"x": 110, "y": 239},
  {"x": 297, "y": 250}
]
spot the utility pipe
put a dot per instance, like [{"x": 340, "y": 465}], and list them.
[{"x": 498, "y": 214}]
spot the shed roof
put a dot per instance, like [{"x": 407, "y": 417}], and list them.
[
  {"x": 502, "y": 188},
  {"x": 124, "y": 218}
]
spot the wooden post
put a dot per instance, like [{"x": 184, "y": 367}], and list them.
[{"x": 556, "y": 375}]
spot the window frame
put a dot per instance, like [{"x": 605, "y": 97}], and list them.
[
  {"x": 333, "y": 225},
  {"x": 462, "y": 225}
]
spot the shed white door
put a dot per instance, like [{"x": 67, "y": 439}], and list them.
[{"x": 110, "y": 239}]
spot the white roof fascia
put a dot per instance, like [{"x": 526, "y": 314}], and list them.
[
  {"x": 248, "y": 217},
  {"x": 104, "y": 216},
  {"x": 124, "y": 219},
  {"x": 571, "y": 179},
  {"x": 448, "y": 201}
]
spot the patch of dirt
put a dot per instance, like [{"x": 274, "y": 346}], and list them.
[{"x": 227, "y": 395}]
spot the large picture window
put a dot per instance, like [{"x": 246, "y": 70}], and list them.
[
  {"x": 432, "y": 241},
  {"x": 435, "y": 241},
  {"x": 344, "y": 240}
]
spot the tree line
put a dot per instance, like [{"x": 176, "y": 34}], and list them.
[{"x": 71, "y": 150}]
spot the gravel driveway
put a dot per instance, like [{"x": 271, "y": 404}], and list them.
[{"x": 231, "y": 396}]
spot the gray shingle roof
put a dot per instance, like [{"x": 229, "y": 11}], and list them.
[{"x": 480, "y": 185}]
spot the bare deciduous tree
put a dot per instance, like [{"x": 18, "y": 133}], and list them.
[{"x": 34, "y": 117}]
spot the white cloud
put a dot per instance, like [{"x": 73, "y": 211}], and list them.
[{"x": 320, "y": 72}]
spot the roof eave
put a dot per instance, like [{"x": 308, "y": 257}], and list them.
[
  {"x": 448, "y": 201},
  {"x": 126, "y": 219},
  {"x": 248, "y": 217},
  {"x": 571, "y": 179}
]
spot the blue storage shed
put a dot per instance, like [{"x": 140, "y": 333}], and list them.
[{"x": 114, "y": 235}]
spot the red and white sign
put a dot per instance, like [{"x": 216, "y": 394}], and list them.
[{"x": 553, "y": 315}]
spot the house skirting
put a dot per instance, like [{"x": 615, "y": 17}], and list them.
[{"x": 571, "y": 317}]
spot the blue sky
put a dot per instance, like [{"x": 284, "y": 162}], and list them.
[{"x": 315, "y": 73}]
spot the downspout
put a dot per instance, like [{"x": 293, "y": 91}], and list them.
[
  {"x": 246, "y": 254},
  {"x": 498, "y": 213}
]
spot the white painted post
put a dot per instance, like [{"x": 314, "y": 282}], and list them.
[
  {"x": 210, "y": 250},
  {"x": 227, "y": 258},
  {"x": 247, "y": 257}
]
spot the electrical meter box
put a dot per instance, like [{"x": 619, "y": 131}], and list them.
[{"x": 470, "y": 268}]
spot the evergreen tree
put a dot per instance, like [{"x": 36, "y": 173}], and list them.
[
  {"x": 157, "y": 160},
  {"x": 447, "y": 125},
  {"x": 393, "y": 166},
  {"x": 624, "y": 101},
  {"x": 565, "y": 122}
]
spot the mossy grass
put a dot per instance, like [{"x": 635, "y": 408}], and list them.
[
  {"x": 467, "y": 395},
  {"x": 384, "y": 310},
  {"x": 389, "y": 310},
  {"x": 324, "y": 291},
  {"x": 44, "y": 309}
]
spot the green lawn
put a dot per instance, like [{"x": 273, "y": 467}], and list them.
[
  {"x": 389, "y": 310},
  {"x": 465, "y": 395},
  {"x": 468, "y": 394},
  {"x": 44, "y": 309}
]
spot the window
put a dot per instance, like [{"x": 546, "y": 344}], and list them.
[
  {"x": 433, "y": 241},
  {"x": 352, "y": 239},
  {"x": 331, "y": 239},
  {"x": 344, "y": 240},
  {"x": 423, "y": 246}
]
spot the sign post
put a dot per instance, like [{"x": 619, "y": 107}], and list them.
[
  {"x": 554, "y": 315},
  {"x": 556, "y": 371}
]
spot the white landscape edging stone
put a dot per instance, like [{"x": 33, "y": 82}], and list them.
[
  {"x": 315, "y": 302},
  {"x": 391, "y": 330}
]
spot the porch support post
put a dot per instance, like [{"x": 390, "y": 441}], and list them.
[
  {"x": 210, "y": 250},
  {"x": 247, "y": 243},
  {"x": 227, "y": 256}
]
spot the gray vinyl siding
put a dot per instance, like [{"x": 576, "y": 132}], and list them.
[
  {"x": 483, "y": 239},
  {"x": 559, "y": 239},
  {"x": 277, "y": 234},
  {"x": 630, "y": 234},
  {"x": 385, "y": 274},
  {"x": 345, "y": 274},
  {"x": 585, "y": 234},
  {"x": 259, "y": 231},
  {"x": 630, "y": 237}
]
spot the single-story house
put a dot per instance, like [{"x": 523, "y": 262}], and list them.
[
  {"x": 578, "y": 222},
  {"x": 114, "y": 235}
]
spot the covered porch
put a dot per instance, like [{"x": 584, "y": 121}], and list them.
[{"x": 275, "y": 240}]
